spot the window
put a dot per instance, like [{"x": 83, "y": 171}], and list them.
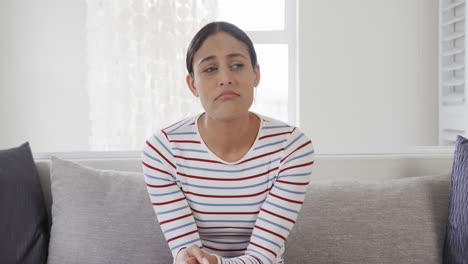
[{"x": 274, "y": 37}]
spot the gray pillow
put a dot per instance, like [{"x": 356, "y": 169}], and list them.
[
  {"x": 456, "y": 240},
  {"x": 393, "y": 221},
  {"x": 24, "y": 228},
  {"x": 102, "y": 216}
]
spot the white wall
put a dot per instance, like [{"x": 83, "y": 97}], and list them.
[
  {"x": 43, "y": 73},
  {"x": 368, "y": 74}
]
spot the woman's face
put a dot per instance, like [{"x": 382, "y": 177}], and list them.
[{"x": 223, "y": 77}]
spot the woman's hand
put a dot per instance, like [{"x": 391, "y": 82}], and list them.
[
  {"x": 184, "y": 258},
  {"x": 194, "y": 255}
]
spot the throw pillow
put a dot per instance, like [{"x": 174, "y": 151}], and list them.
[
  {"x": 385, "y": 222},
  {"x": 102, "y": 216},
  {"x": 24, "y": 229},
  {"x": 456, "y": 239}
]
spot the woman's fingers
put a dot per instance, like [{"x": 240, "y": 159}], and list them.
[{"x": 195, "y": 251}]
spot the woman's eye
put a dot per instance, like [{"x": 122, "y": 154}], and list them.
[
  {"x": 210, "y": 69},
  {"x": 237, "y": 66}
]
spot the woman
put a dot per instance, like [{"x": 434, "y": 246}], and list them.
[{"x": 226, "y": 185}]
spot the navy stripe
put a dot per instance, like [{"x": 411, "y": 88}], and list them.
[
  {"x": 226, "y": 188},
  {"x": 284, "y": 208},
  {"x": 186, "y": 243},
  {"x": 163, "y": 194},
  {"x": 180, "y": 125},
  {"x": 228, "y": 243},
  {"x": 268, "y": 240},
  {"x": 156, "y": 178},
  {"x": 270, "y": 144},
  {"x": 211, "y": 204},
  {"x": 225, "y": 221},
  {"x": 228, "y": 171},
  {"x": 285, "y": 190},
  {"x": 183, "y": 133},
  {"x": 271, "y": 127},
  {"x": 301, "y": 156},
  {"x": 275, "y": 224},
  {"x": 295, "y": 175},
  {"x": 151, "y": 157},
  {"x": 174, "y": 210},
  {"x": 178, "y": 227},
  {"x": 296, "y": 139},
  {"x": 190, "y": 150},
  {"x": 164, "y": 146}
]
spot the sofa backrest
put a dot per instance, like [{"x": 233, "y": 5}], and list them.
[
  {"x": 365, "y": 208},
  {"x": 326, "y": 167}
]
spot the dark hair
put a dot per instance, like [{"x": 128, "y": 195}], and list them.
[{"x": 213, "y": 28}]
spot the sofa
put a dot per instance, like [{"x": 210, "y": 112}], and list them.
[{"x": 387, "y": 208}]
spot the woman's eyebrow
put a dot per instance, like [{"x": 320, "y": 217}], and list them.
[
  {"x": 232, "y": 55},
  {"x": 207, "y": 59}
]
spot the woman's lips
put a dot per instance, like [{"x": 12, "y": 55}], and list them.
[{"x": 227, "y": 95}]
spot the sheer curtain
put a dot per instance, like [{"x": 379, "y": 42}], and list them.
[{"x": 136, "y": 61}]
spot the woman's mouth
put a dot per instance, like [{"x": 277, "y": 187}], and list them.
[{"x": 227, "y": 95}]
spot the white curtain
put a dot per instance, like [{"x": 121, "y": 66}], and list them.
[{"x": 136, "y": 61}]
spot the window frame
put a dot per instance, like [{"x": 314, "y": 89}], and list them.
[{"x": 287, "y": 36}]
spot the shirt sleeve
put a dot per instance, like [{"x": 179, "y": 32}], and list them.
[
  {"x": 169, "y": 202},
  {"x": 281, "y": 208}
]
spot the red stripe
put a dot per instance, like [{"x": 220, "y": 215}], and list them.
[
  {"x": 165, "y": 134},
  {"x": 224, "y": 179},
  {"x": 216, "y": 227},
  {"x": 261, "y": 156},
  {"x": 195, "y": 159},
  {"x": 297, "y": 166},
  {"x": 154, "y": 168},
  {"x": 216, "y": 213},
  {"x": 186, "y": 234},
  {"x": 285, "y": 199},
  {"x": 278, "y": 134},
  {"x": 279, "y": 216},
  {"x": 149, "y": 144},
  {"x": 264, "y": 248},
  {"x": 242, "y": 261},
  {"x": 228, "y": 196},
  {"x": 185, "y": 141},
  {"x": 173, "y": 201},
  {"x": 294, "y": 183},
  {"x": 217, "y": 249},
  {"x": 174, "y": 219},
  {"x": 172, "y": 125},
  {"x": 255, "y": 258},
  {"x": 271, "y": 232},
  {"x": 298, "y": 148},
  {"x": 160, "y": 186}
]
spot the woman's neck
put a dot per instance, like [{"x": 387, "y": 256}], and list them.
[{"x": 230, "y": 140}]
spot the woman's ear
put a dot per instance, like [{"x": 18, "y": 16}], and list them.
[
  {"x": 191, "y": 84},
  {"x": 257, "y": 75}
]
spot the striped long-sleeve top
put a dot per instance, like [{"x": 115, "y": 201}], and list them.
[{"x": 241, "y": 211}]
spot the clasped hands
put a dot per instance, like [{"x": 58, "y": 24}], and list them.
[{"x": 194, "y": 255}]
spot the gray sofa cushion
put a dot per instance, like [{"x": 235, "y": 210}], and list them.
[
  {"x": 456, "y": 243},
  {"x": 102, "y": 216},
  {"x": 24, "y": 229},
  {"x": 395, "y": 221}
]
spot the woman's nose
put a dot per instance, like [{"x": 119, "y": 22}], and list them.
[{"x": 225, "y": 77}]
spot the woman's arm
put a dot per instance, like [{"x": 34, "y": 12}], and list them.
[
  {"x": 169, "y": 202},
  {"x": 281, "y": 208}
]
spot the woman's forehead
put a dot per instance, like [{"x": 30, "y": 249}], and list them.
[{"x": 220, "y": 44}]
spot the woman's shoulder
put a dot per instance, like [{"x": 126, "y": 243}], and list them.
[
  {"x": 280, "y": 131},
  {"x": 184, "y": 129}
]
